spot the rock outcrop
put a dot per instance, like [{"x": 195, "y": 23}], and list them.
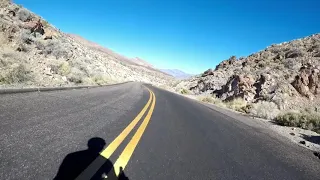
[
  {"x": 307, "y": 82},
  {"x": 285, "y": 74}
]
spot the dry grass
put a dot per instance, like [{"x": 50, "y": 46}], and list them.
[
  {"x": 75, "y": 79},
  {"x": 18, "y": 73},
  {"x": 174, "y": 83},
  {"x": 82, "y": 65},
  {"x": 101, "y": 79},
  {"x": 264, "y": 109},
  {"x": 237, "y": 104},
  {"x": 51, "y": 47},
  {"x": 64, "y": 69},
  {"x": 212, "y": 100},
  {"x": 24, "y": 15},
  {"x": 23, "y": 48},
  {"x": 25, "y": 36},
  {"x": 184, "y": 91},
  {"x": 303, "y": 120}
]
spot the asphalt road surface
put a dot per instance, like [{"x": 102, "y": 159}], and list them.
[{"x": 141, "y": 132}]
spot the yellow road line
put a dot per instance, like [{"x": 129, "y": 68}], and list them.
[
  {"x": 107, "y": 152},
  {"x": 128, "y": 151},
  {"x": 115, "y": 143}
]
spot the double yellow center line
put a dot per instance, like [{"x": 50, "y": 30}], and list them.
[{"x": 126, "y": 154}]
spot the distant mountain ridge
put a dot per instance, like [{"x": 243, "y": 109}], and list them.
[{"x": 176, "y": 73}]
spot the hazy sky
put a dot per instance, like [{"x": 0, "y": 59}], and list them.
[{"x": 191, "y": 35}]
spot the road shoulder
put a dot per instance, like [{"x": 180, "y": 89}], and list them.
[{"x": 301, "y": 137}]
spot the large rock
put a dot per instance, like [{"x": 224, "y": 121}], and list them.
[
  {"x": 238, "y": 86},
  {"x": 307, "y": 82},
  {"x": 208, "y": 72},
  {"x": 314, "y": 81},
  {"x": 208, "y": 83}
]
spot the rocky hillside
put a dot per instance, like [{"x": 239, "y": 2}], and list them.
[
  {"x": 34, "y": 53},
  {"x": 282, "y": 77}
]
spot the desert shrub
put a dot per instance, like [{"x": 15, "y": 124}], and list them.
[
  {"x": 237, "y": 104},
  {"x": 81, "y": 65},
  {"x": 174, "y": 83},
  {"x": 264, "y": 109},
  {"x": 75, "y": 79},
  {"x": 4, "y": 62},
  {"x": 9, "y": 55},
  {"x": 88, "y": 81},
  {"x": 60, "y": 53},
  {"x": 25, "y": 37},
  {"x": 45, "y": 24},
  {"x": 312, "y": 110},
  {"x": 47, "y": 48},
  {"x": 40, "y": 45},
  {"x": 246, "y": 108},
  {"x": 17, "y": 74},
  {"x": 24, "y": 15},
  {"x": 292, "y": 64},
  {"x": 207, "y": 99},
  {"x": 212, "y": 100},
  {"x": 184, "y": 91},
  {"x": 101, "y": 79},
  {"x": 303, "y": 120},
  {"x": 23, "y": 48},
  {"x": 64, "y": 69},
  {"x": 54, "y": 48},
  {"x": 54, "y": 68},
  {"x": 76, "y": 75}
]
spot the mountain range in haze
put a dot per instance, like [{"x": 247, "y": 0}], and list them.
[{"x": 176, "y": 73}]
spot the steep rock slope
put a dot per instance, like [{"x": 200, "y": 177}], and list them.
[
  {"x": 285, "y": 76},
  {"x": 34, "y": 53}
]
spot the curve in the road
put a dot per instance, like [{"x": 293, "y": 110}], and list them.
[{"x": 126, "y": 154}]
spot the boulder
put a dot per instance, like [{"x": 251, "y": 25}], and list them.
[
  {"x": 238, "y": 86},
  {"x": 313, "y": 81},
  {"x": 38, "y": 27},
  {"x": 307, "y": 82},
  {"x": 208, "y": 72},
  {"x": 50, "y": 34}
]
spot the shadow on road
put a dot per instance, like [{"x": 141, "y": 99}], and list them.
[
  {"x": 313, "y": 139},
  {"x": 75, "y": 163}
]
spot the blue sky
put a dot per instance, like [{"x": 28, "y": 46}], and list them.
[{"x": 191, "y": 35}]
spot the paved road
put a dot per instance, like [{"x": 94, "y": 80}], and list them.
[{"x": 151, "y": 134}]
